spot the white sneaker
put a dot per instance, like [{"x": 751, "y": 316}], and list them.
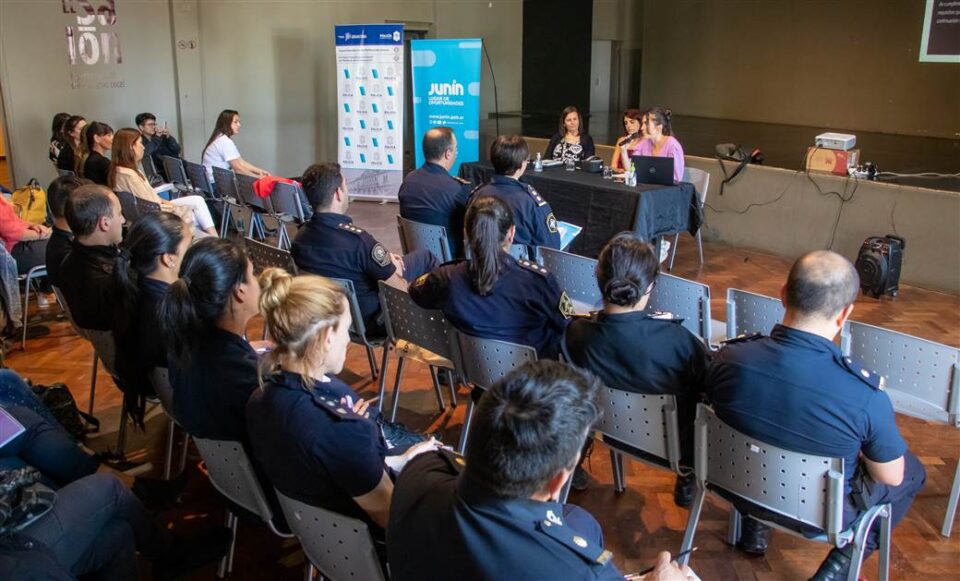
[{"x": 664, "y": 250}]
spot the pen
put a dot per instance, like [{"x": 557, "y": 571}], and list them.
[{"x": 679, "y": 555}]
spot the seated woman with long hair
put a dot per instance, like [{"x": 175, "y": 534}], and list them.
[
  {"x": 70, "y": 143},
  {"x": 149, "y": 262},
  {"x": 570, "y": 142},
  {"x": 222, "y": 152},
  {"x": 317, "y": 440},
  {"x": 125, "y": 176},
  {"x": 634, "y": 131},
  {"x": 91, "y": 161},
  {"x": 203, "y": 318},
  {"x": 660, "y": 141},
  {"x": 632, "y": 350},
  {"x": 493, "y": 295}
]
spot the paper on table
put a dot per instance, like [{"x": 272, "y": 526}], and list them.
[
  {"x": 568, "y": 232},
  {"x": 10, "y": 428}
]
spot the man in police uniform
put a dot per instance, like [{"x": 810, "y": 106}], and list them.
[
  {"x": 431, "y": 195},
  {"x": 795, "y": 390},
  {"x": 495, "y": 514},
  {"x": 330, "y": 245},
  {"x": 536, "y": 224}
]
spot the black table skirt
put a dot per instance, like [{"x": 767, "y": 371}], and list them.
[{"x": 606, "y": 207}]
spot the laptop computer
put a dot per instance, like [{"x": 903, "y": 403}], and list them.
[{"x": 654, "y": 170}]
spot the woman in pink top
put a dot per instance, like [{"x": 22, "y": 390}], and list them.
[{"x": 660, "y": 141}]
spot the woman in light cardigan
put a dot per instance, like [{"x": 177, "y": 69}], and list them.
[{"x": 125, "y": 177}]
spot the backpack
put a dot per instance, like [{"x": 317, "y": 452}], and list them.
[
  {"x": 58, "y": 399},
  {"x": 30, "y": 202},
  {"x": 735, "y": 153}
]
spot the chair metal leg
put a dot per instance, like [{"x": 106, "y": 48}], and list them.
[
  {"x": 436, "y": 388},
  {"x": 886, "y": 531},
  {"x": 733, "y": 526},
  {"x": 700, "y": 246},
  {"x": 308, "y": 571},
  {"x": 26, "y": 307},
  {"x": 183, "y": 452},
  {"x": 692, "y": 521},
  {"x": 401, "y": 363},
  {"x": 382, "y": 389},
  {"x": 168, "y": 461},
  {"x": 122, "y": 431},
  {"x": 859, "y": 542},
  {"x": 372, "y": 361},
  {"x": 616, "y": 464},
  {"x": 453, "y": 388},
  {"x": 462, "y": 447},
  {"x": 93, "y": 382},
  {"x": 673, "y": 253},
  {"x": 225, "y": 560},
  {"x": 233, "y": 543},
  {"x": 952, "y": 504}
]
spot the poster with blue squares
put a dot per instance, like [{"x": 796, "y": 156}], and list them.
[
  {"x": 370, "y": 75},
  {"x": 446, "y": 92}
]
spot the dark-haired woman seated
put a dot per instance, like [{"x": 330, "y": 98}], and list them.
[
  {"x": 635, "y": 351},
  {"x": 570, "y": 142},
  {"x": 203, "y": 316},
  {"x": 148, "y": 264},
  {"x": 317, "y": 440},
  {"x": 493, "y": 295}
]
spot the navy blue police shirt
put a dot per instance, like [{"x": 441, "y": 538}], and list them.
[
  {"x": 330, "y": 245},
  {"x": 311, "y": 444},
  {"x": 443, "y": 526},
  {"x": 210, "y": 394},
  {"x": 525, "y": 306},
  {"x": 430, "y": 195},
  {"x": 797, "y": 391},
  {"x": 532, "y": 215}
]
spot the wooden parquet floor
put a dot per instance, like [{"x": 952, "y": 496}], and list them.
[{"x": 638, "y": 523}]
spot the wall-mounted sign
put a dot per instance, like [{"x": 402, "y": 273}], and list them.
[{"x": 93, "y": 45}]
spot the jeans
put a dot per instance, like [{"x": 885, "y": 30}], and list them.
[
  {"x": 46, "y": 447},
  {"x": 15, "y": 392},
  {"x": 96, "y": 526}
]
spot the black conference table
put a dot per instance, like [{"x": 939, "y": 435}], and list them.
[{"x": 606, "y": 207}]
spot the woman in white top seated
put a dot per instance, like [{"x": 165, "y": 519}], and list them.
[
  {"x": 222, "y": 152},
  {"x": 125, "y": 176}
]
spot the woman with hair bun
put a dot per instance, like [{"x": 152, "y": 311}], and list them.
[
  {"x": 660, "y": 141},
  {"x": 149, "y": 261},
  {"x": 493, "y": 295},
  {"x": 318, "y": 441},
  {"x": 639, "y": 352}
]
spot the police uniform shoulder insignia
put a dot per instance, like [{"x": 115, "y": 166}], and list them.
[
  {"x": 532, "y": 266},
  {"x": 379, "y": 254},
  {"x": 333, "y": 406},
  {"x": 566, "y": 305},
  {"x": 534, "y": 194},
  {"x": 474, "y": 190},
  {"x": 350, "y": 228},
  {"x": 743, "y": 338},
  {"x": 422, "y": 279},
  {"x": 553, "y": 527},
  {"x": 455, "y": 461},
  {"x": 552, "y": 223},
  {"x": 871, "y": 378},
  {"x": 461, "y": 180}
]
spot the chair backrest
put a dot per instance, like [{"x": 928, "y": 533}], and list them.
[
  {"x": 147, "y": 207},
  {"x": 286, "y": 200},
  {"x": 358, "y": 330},
  {"x": 265, "y": 256},
  {"x": 128, "y": 206},
  {"x": 339, "y": 546},
  {"x": 407, "y": 321},
  {"x": 922, "y": 377},
  {"x": 105, "y": 347},
  {"x": 749, "y": 313},
  {"x": 225, "y": 182},
  {"x": 197, "y": 174},
  {"x": 150, "y": 169},
  {"x": 683, "y": 298},
  {"x": 66, "y": 172},
  {"x": 648, "y": 423},
  {"x": 232, "y": 474},
  {"x": 247, "y": 195},
  {"x": 803, "y": 487},
  {"x": 417, "y": 235},
  {"x": 483, "y": 362},
  {"x": 160, "y": 380},
  {"x": 520, "y": 251},
  {"x": 700, "y": 180},
  {"x": 176, "y": 173},
  {"x": 66, "y": 309},
  {"x": 577, "y": 275}
]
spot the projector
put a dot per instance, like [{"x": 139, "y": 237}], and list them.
[{"x": 841, "y": 141}]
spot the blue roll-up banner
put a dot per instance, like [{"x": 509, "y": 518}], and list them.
[
  {"x": 446, "y": 91},
  {"x": 370, "y": 108}
]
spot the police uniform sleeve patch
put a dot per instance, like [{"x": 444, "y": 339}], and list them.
[
  {"x": 552, "y": 223},
  {"x": 380, "y": 255},
  {"x": 566, "y": 305}
]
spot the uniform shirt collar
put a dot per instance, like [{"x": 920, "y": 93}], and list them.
[
  {"x": 433, "y": 167},
  {"x": 796, "y": 338},
  {"x": 331, "y": 218},
  {"x": 522, "y": 509},
  {"x": 631, "y": 317},
  {"x": 96, "y": 252},
  {"x": 502, "y": 179}
]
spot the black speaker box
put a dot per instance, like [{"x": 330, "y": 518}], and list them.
[{"x": 879, "y": 264}]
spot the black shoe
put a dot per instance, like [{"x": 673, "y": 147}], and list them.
[
  {"x": 754, "y": 536},
  {"x": 835, "y": 567},
  {"x": 158, "y": 494},
  {"x": 581, "y": 480},
  {"x": 684, "y": 490},
  {"x": 187, "y": 554}
]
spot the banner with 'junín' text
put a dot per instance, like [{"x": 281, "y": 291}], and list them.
[{"x": 446, "y": 92}]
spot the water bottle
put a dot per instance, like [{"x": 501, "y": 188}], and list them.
[
  {"x": 632, "y": 175},
  {"x": 538, "y": 163}
]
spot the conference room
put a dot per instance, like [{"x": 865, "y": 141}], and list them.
[{"x": 499, "y": 289}]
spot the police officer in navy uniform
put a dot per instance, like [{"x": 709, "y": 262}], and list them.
[
  {"x": 794, "y": 389},
  {"x": 536, "y": 224},
  {"x": 430, "y": 195},
  {"x": 330, "y": 245},
  {"x": 495, "y": 514},
  {"x": 493, "y": 295}
]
